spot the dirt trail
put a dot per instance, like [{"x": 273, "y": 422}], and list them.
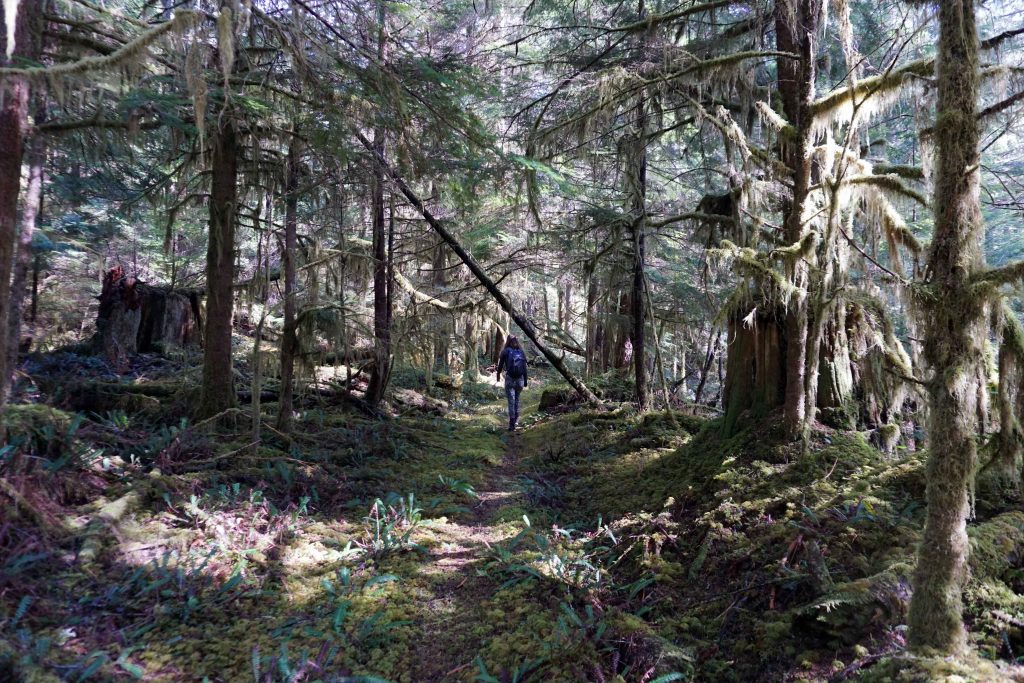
[{"x": 461, "y": 585}]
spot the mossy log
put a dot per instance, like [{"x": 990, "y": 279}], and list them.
[
  {"x": 108, "y": 517},
  {"x": 98, "y": 397},
  {"x": 553, "y": 398}
]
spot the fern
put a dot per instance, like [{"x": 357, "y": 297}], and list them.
[{"x": 20, "y": 612}]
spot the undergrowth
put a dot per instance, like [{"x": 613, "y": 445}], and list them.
[{"x": 595, "y": 545}]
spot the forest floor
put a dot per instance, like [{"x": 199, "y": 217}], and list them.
[{"x": 591, "y": 545}]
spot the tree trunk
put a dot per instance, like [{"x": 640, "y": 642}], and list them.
[
  {"x": 29, "y": 219},
  {"x": 705, "y": 370},
  {"x": 381, "y": 332},
  {"x": 834, "y": 377},
  {"x": 637, "y": 192},
  {"x": 134, "y": 317},
  {"x": 479, "y": 273},
  {"x": 218, "y": 392},
  {"x": 289, "y": 339},
  {"x": 14, "y": 99},
  {"x": 953, "y": 340},
  {"x": 755, "y": 379},
  {"x": 796, "y": 25},
  {"x": 1009, "y": 457},
  {"x": 591, "y": 322}
]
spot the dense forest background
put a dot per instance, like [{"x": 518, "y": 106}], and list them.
[{"x": 258, "y": 259}]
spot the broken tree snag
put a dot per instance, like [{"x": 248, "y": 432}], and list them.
[
  {"x": 135, "y": 317},
  {"x": 117, "y": 324},
  {"x": 522, "y": 321}
]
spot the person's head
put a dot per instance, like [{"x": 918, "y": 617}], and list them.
[{"x": 512, "y": 342}]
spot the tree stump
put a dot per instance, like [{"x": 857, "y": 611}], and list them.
[{"x": 135, "y": 317}]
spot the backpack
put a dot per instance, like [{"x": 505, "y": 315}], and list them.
[{"x": 516, "y": 364}]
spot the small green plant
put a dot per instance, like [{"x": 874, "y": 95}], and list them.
[
  {"x": 390, "y": 525},
  {"x": 541, "y": 491},
  {"x": 518, "y": 675},
  {"x": 116, "y": 420},
  {"x": 458, "y": 486}
]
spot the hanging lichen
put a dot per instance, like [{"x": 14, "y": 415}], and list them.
[
  {"x": 226, "y": 46},
  {"x": 10, "y": 22}
]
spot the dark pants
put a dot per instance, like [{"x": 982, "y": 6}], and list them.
[{"x": 513, "y": 386}]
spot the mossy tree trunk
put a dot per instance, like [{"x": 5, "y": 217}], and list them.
[
  {"x": 834, "y": 378},
  {"x": 218, "y": 390},
  {"x": 953, "y": 339},
  {"x": 755, "y": 377},
  {"x": 1010, "y": 453},
  {"x": 289, "y": 338},
  {"x": 796, "y": 28},
  {"x": 14, "y": 100}
]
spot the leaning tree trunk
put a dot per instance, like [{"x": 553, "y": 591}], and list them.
[
  {"x": 14, "y": 98},
  {"x": 522, "y": 321},
  {"x": 218, "y": 392},
  {"x": 289, "y": 338},
  {"x": 796, "y": 25},
  {"x": 953, "y": 339}
]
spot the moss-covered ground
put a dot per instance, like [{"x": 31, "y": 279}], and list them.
[{"x": 591, "y": 545}]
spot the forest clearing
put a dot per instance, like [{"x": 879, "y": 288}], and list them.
[{"x": 627, "y": 341}]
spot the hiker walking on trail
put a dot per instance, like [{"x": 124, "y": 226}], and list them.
[{"x": 513, "y": 361}]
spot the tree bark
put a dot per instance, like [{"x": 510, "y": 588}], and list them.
[
  {"x": 637, "y": 190},
  {"x": 796, "y": 25},
  {"x": 1009, "y": 456},
  {"x": 479, "y": 273},
  {"x": 381, "y": 318},
  {"x": 591, "y": 322},
  {"x": 953, "y": 340},
  {"x": 30, "y": 211},
  {"x": 755, "y": 377},
  {"x": 289, "y": 339},
  {"x": 218, "y": 393},
  {"x": 14, "y": 100}
]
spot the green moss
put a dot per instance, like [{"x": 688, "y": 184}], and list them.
[{"x": 35, "y": 424}]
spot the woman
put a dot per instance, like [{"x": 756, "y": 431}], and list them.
[{"x": 513, "y": 361}]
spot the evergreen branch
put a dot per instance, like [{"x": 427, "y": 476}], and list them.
[
  {"x": 182, "y": 20},
  {"x": 1011, "y": 273},
  {"x": 655, "y": 20},
  {"x": 908, "y": 172},
  {"x": 691, "y": 216},
  {"x": 996, "y": 41},
  {"x": 852, "y": 243},
  {"x": 889, "y": 183},
  {"x": 873, "y": 86}
]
